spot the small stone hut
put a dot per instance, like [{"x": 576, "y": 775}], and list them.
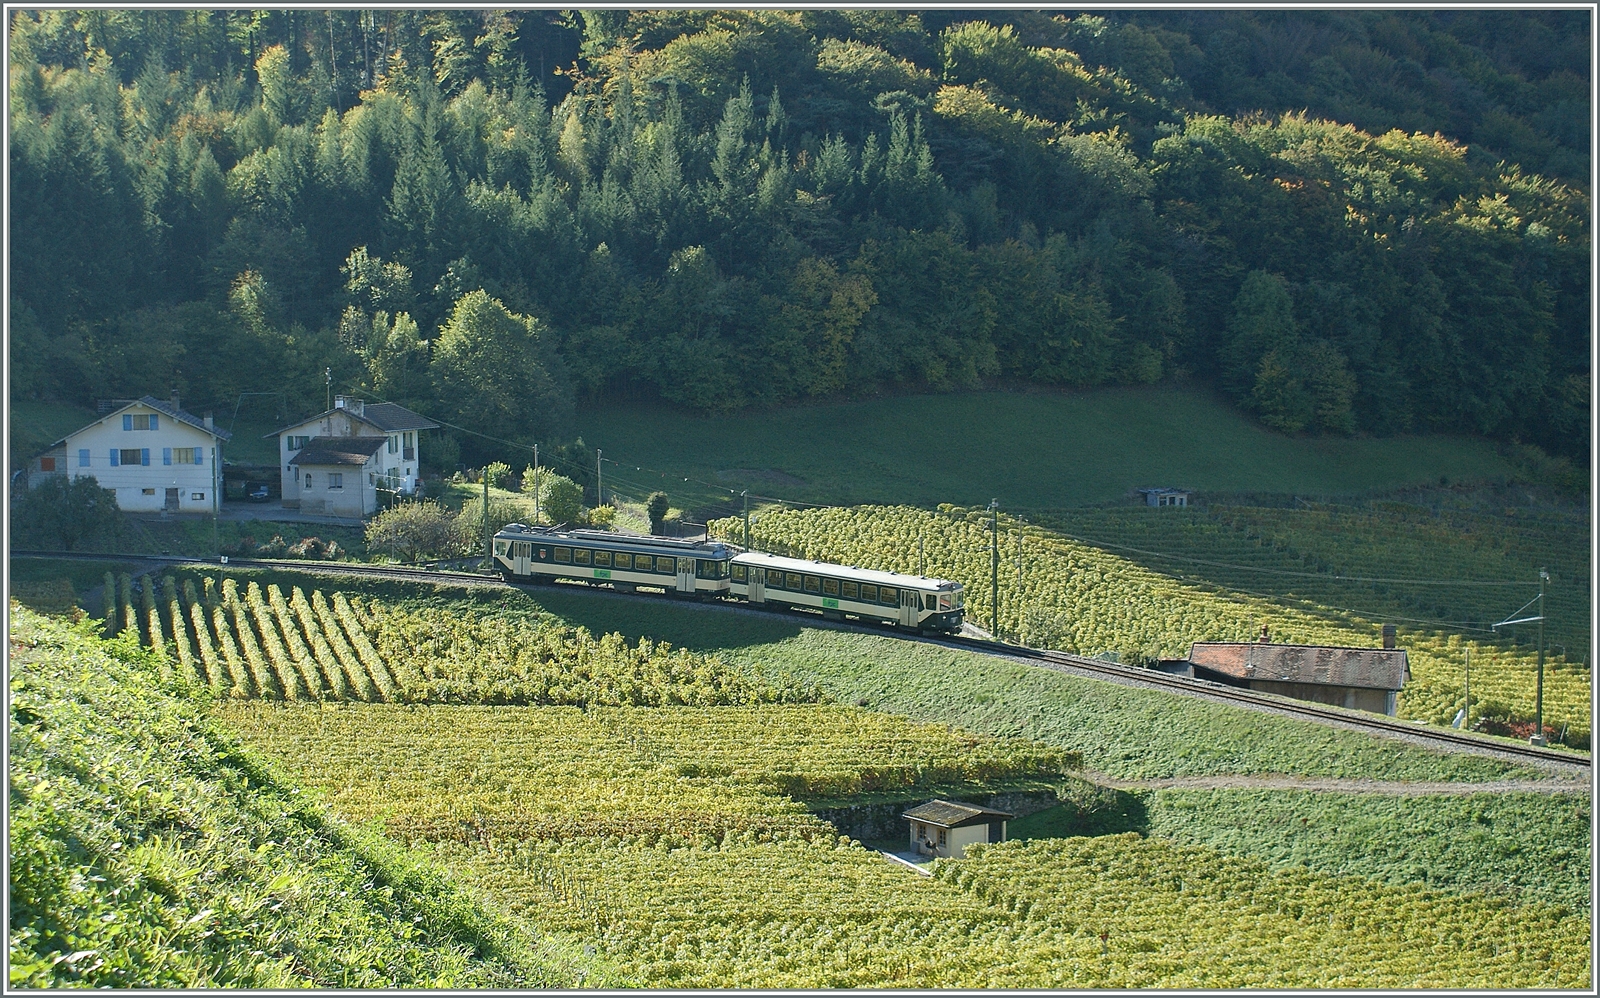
[
  {"x": 1358, "y": 678},
  {"x": 943, "y": 828}
]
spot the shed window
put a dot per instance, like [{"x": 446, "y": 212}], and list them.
[
  {"x": 602, "y": 559},
  {"x": 830, "y": 587},
  {"x": 942, "y": 836},
  {"x": 813, "y": 584},
  {"x": 869, "y": 593},
  {"x": 851, "y": 590},
  {"x": 739, "y": 573},
  {"x": 564, "y": 556}
]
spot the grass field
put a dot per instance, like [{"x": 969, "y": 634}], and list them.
[{"x": 1031, "y": 450}]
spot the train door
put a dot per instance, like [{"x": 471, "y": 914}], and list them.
[
  {"x": 522, "y": 557},
  {"x": 910, "y": 603},
  {"x": 758, "y": 585},
  {"x": 685, "y": 575}
]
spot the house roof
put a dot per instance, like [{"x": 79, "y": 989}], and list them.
[
  {"x": 946, "y": 814},
  {"x": 1368, "y": 668},
  {"x": 385, "y": 416},
  {"x": 1166, "y": 492},
  {"x": 339, "y": 450},
  {"x": 149, "y": 401}
]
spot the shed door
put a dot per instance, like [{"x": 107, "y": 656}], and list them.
[
  {"x": 685, "y": 575},
  {"x": 910, "y": 603},
  {"x": 758, "y": 585}
]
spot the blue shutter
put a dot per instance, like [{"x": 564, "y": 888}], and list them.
[
  {"x": 199, "y": 455},
  {"x": 83, "y": 458},
  {"x": 153, "y": 421},
  {"x": 115, "y": 458},
  {"x": 144, "y": 456},
  {"x": 127, "y": 422},
  {"x": 166, "y": 455}
]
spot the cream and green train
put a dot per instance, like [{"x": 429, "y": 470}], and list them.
[{"x": 541, "y": 554}]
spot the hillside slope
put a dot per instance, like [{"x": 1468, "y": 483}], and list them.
[{"x": 148, "y": 850}]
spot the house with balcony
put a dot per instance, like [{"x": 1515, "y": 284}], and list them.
[
  {"x": 326, "y": 445},
  {"x": 153, "y": 454}
]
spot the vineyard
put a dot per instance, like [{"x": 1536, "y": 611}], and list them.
[
  {"x": 667, "y": 841},
  {"x": 1063, "y": 594},
  {"x": 256, "y": 642},
  {"x": 683, "y": 772}
]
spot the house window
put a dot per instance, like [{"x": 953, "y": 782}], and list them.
[
  {"x": 147, "y": 492},
  {"x": 197, "y": 496},
  {"x": 308, "y": 479},
  {"x": 130, "y": 455},
  {"x": 394, "y": 445},
  {"x": 47, "y": 464},
  {"x": 145, "y": 422},
  {"x": 83, "y": 458},
  {"x": 296, "y": 443},
  {"x": 336, "y": 480}
]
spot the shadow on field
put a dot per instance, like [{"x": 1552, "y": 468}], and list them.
[
  {"x": 686, "y": 624},
  {"x": 1086, "y": 809}
]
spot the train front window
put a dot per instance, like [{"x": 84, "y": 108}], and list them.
[
  {"x": 500, "y": 548},
  {"x": 711, "y": 569},
  {"x": 944, "y": 602}
]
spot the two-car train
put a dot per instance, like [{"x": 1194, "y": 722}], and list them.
[{"x": 525, "y": 554}]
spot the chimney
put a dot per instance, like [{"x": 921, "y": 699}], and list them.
[
  {"x": 175, "y": 406},
  {"x": 208, "y": 422},
  {"x": 1388, "y": 637},
  {"x": 338, "y": 401}
]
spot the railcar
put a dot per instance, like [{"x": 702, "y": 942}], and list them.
[
  {"x": 909, "y": 601},
  {"x": 541, "y": 554}
]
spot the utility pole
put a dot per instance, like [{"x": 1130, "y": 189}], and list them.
[
  {"x": 921, "y": 568},
  {"x": 216, "y": 502},
  {"x": 536, "y": 485},
  {"x": 994, "y": 568},
  {"x": 1466, "y": 693},
  {"x": 599, "y": 484},
  {"x": 327, "y": 374},
  {"x": 746, "y": 494},
  {"x": 1538, "y": 697},
  {"x": 488, "y": 543}
]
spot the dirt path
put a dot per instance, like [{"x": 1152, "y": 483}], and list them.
[{"x": 1334, "y": 785}]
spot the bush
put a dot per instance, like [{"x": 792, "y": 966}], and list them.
[
  {"x": 65, "y": 513},
  {"x": 498, "y": 474},
  {"x": 603, "y": 517},
  {"x": 657, "y": 506},
  {"x": 560, "y": 498},
  {"x": 468, "y": 525},
  {"x": 413, "y": 530}
]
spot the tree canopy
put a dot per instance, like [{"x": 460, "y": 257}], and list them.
[{"x": 1349, "y": 221}]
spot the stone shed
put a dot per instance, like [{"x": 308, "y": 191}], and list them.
[
  {"x": 943, "y": 828},
  {"x": 1358, "y": 678}
]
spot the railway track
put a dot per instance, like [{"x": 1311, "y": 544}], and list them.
[{"x": 1064, "y": 661}]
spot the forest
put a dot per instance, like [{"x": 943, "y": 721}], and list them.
[{"x": 1347, "y": 222}]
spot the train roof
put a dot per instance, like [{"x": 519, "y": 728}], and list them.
[
  {"x": 602, "y": 538},
  {"x": 827, "y": 568}
]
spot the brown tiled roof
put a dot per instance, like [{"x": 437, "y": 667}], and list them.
[
  {"x": 1368, "y": 668},
  {"x": 384, "y": 416},
  {"x": 339, "y": 450},
  {"x": 948, "y": 815}
]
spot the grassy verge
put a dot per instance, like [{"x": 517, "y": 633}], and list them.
[
  {"x": 1039, "y": 449},
  {"x": 148, "y": 850}
]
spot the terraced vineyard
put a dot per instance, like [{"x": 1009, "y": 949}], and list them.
[
  {"x": 260, "y": 643},
  {"x": 1059, "y": 593}
]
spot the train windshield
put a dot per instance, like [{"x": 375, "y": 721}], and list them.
[{"x": 950, "y": 601}]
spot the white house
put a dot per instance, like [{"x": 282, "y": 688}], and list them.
[
  {"x": 338, "y": 476},
  {"x": 155, "y": 455},
  {"x": 396, "y": 427}
]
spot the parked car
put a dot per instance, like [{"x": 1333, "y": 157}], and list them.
[{"x": 258, "y": 493}]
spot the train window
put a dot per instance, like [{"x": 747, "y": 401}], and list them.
[
  {"x": 774, "y": 579},
  {"x": 887, "y": 594},
  {"x": 830, "y": 587},
  {"x": 813, "y": 584},
  {"x": 869, "y": 594},
  {"x": 851, "y": 590},
  {"x": 791, "y": 580},
  {"x": 712, "y": 569},
  {"x": 602, "y": 559},
  {"x": 623, "y": 559},
  {"x": 944, "y": 602},
  {"x": 738, "y": 573},
  {"x": 580, "y": 556},
  {"x": 666, "y": 565},
  {"x": 564, "y": 555},
  {"x": 500, "y": 548}
]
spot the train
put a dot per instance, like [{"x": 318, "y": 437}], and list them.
[{"x": 715, "y": 570}]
